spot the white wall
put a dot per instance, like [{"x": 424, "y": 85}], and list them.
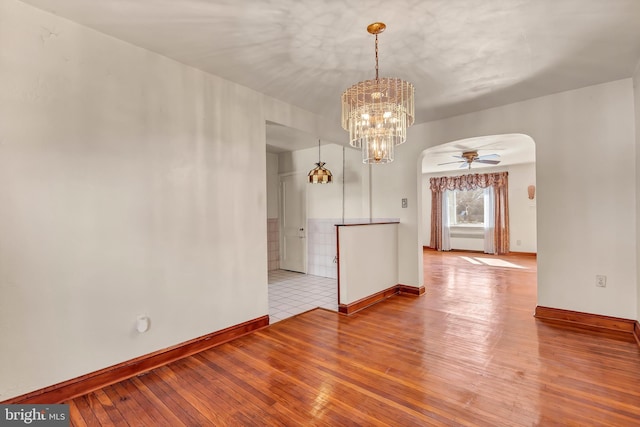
[
  {"x": 272, "y": 185},
  {"x": 361, "y": 248},
  {"x": 636, "y": 93},
  {"x": 522, "y": 211},
  {"x": 129, "y": 184},
  {"x": 325, "y": 200},
  {"x": 585, "y": 147}
]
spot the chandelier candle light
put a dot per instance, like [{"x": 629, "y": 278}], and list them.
[
  {"x": 319, "y": 174},
  {"x": 377, "y": 112}
]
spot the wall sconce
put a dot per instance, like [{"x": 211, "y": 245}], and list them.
[{"x": 531, "y": 191}]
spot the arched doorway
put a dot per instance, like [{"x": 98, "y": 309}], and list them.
[{"x": 514, "y": 153}]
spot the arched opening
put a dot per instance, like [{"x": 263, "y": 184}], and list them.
[{"x": 512, "y": 153}]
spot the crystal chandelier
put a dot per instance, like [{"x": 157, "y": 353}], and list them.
[
  {"x": 319, "y": 174},
  {"x": 377, "y": 112}
]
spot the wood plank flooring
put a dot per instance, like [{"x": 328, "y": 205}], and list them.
[{"x": 468, "y": 353}]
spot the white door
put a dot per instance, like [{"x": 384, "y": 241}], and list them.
[{"x": 293, "y": 220}]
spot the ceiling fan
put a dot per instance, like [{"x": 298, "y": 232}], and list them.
[{"x": 469, "y": 157}]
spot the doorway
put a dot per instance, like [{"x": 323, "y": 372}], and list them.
[
  {"x": 299, "y": 221},
  {"x": 513, "y": 153}
]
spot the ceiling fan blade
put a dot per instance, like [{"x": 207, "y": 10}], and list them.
[
  {"x": 448, "y": 163},
  {"x": 465, "y": 165},
  {"x": 488, "y": 162},
  {"x": 489, "y": 157}
]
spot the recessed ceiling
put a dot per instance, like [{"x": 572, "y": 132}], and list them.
[{"x": 462, "y": 56}]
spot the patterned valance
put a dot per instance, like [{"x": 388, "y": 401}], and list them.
[{"x": 469, "y": 182}]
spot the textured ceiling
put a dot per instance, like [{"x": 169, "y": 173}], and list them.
[{"x": 461, "y": 55}]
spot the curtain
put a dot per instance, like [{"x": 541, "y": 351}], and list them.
[
  {"x": 446, "y": 222},
  {"x": 489, "y": 220},
  {"x": 436, "y": 219},
  {"x": 497, "y": 180},
  {"x": 501, "y": 231}
]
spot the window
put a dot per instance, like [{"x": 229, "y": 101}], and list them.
[
  {"x": 465, "y": 210},
  {"x": 468, "y": 206}
]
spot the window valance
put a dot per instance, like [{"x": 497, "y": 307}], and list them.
[{"x": 469, "y": 182}]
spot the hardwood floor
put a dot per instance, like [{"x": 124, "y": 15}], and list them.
[{"x": 468, "y": 353}]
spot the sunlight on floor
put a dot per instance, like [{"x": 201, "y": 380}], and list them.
[
  {"x": 471, "y": 260},
  {"x": 493, "y": 262}
]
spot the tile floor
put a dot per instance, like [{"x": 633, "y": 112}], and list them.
[{"x": 292, "y": 293}]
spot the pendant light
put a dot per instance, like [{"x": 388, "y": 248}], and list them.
[
  {"x": 377, "y": 113},
  {"x": 319, "y": 174}
]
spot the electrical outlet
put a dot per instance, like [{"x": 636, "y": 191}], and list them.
[
  {"x": 601, "y": 281},
  {"x": 405, "y": 203}
]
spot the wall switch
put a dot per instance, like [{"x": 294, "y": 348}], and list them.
[
  {"x": 405, "y": 203},
  {"x": 601, "y": 281}
]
